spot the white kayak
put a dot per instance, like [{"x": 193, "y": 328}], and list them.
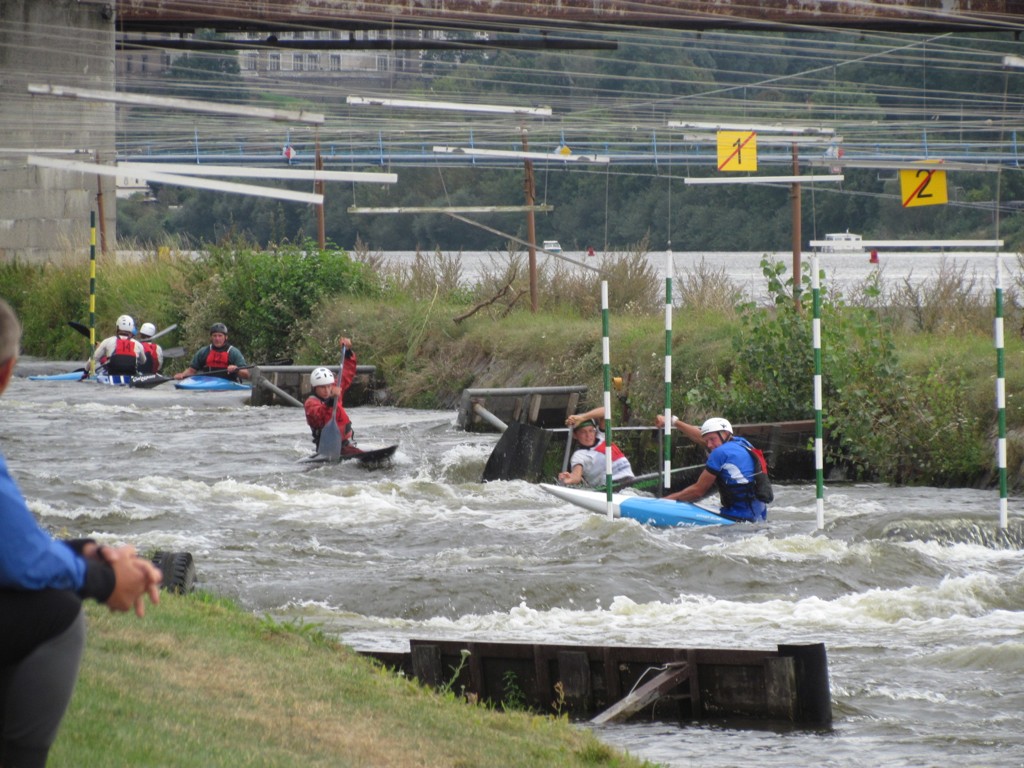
[{"x": 662, "y": 513}]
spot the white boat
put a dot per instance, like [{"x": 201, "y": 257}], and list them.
[
  {"x": 843, "y": 242},
  {"x": 552, "y": 246}
]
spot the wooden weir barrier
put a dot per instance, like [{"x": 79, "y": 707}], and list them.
[
  {"x": 605, "y": 684},
  {"x": 533, "y": 444}
]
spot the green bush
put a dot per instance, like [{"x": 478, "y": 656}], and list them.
[
  {"x": 881, "y": 422},
  {"x": 268, "y": 298}
]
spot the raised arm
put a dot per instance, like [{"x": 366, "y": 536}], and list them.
[{"x": 691, "y": 431}]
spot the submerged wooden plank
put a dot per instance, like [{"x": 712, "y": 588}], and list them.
[{"x": 645, "y": 695}]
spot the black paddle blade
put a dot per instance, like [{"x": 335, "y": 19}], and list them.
[
  {"x": 150, "y": 380},
  {"x": 82, "y": 329},
  {"x": 519, "y": 454}
]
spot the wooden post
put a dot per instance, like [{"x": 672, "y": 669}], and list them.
[
  {"x": 318, "y": 187},
  {"x": 531, "y": 233},
  {"x": 99, "y": 208},
  {"x": 797, "y": 234}
]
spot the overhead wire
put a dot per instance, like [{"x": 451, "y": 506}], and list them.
[{"x": 593, "y": 103}]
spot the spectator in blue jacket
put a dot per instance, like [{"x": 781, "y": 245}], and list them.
[{"x": 42, "y": 584}]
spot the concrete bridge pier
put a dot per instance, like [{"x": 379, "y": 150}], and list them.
[{"x": 44, "y": 213}]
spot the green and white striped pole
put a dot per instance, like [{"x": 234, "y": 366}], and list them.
[
  {"x": 606, "y": 359},
  {"x": 1000, "y": 393},
  {"x": 92, "y": 290},
  {"x": 667, "y": 439},
  {"x": 819, "y": 450}
]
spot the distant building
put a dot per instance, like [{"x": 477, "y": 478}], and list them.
[{"x": 325, "y": 63}]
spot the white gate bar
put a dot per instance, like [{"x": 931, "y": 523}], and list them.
[{"x": 180, "y": 181}]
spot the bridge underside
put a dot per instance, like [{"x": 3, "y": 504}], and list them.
[{"x": 562, "y": 15}]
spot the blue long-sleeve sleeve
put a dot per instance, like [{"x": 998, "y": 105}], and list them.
[{"x": 29, "y": 557}]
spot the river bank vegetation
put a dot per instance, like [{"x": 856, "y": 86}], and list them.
[
  {"x": 909, "y": 369},
  {"x": 200, "y": 682}
]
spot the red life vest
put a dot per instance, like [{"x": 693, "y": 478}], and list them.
[
  {"x": 616, "y": 453},
  {"x": 152, "y": 364},
  {"x": 123, "y": 362},
  {"x": 217, "y": 359}
]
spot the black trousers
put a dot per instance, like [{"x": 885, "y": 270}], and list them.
[{"x": 42, "y": 636}]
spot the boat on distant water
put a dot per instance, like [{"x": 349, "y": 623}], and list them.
[
  {"x": 552, "y": 246},
  {"x": 843, "y": 242}
]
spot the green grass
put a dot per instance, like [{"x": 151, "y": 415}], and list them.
[{"x": 198, "y": 682}]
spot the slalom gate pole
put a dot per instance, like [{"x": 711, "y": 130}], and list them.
[
  {"x": 606, "y": 359},
  {"x": 667, "y": 439},
  {"x": 92, "y": 290},
  {"x": 1000, "y": 393},
  {"x": 819, "y": 452}
]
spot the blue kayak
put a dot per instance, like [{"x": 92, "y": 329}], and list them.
[
  {"x": 69, "y": 376},
  {"x": 662, "y": 513},
  {"x": 211, "y": 384}
]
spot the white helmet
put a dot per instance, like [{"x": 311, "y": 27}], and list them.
[
  {"x": 321, "y": 377},
  {"x": 126, "y": 324},
  {"x": 147, "y": 329},
  {"x": 715, "y": 424}
]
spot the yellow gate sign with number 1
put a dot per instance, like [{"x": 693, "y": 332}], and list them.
[
  {"x": 919, "y": 186},
  {"x": 737, "y": 151}
]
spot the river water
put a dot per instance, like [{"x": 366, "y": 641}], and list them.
[
  {"x": 919, "y": 604},
  {"x": 845, "y": 271}
]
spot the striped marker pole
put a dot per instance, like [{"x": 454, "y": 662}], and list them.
[
  {"x": 819, "y": 452},
  {"x": 606, "y": 359},
  {"x": 667, "y": 439},
  {"x": 1000, "y": 393},
  {"x": 92, "y": 290}
]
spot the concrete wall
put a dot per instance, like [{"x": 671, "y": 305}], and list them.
[{"x": 44, "y": 213}]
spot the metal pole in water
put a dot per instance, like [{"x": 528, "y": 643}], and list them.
[
  {"x": 1000, "y": 393},
  {"x": 819, "y": 453},
  {"x": 667, "y": 440},
  {"x": 606, "y": 359}
]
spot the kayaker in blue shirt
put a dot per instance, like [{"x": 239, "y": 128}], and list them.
[
  {"x": 731, "y": 467},
  {"x": 42, "y": 584}
]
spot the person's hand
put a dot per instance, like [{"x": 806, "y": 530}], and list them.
[
  {"x": 232, "y": 368},
  {"x": 345, "y": 341},
  {"x": 573, "y": 420},
  {"x": 179, "y": 376},
  {"x": 659, "y": 421},
  {"x": 134, "y": 577}
]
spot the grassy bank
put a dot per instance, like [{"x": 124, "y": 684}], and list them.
[
  {"x": 198, "y": 682},
  {"x": 908, "y": 370}
]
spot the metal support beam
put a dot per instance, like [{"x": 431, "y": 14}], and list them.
[{"x": 764, "y": 15}]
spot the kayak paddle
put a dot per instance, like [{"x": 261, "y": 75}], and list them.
[
  {"x": 155, "y": 379},
  {"x": 84, "y": 329},
  {"x": 329, "y": 447}
]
